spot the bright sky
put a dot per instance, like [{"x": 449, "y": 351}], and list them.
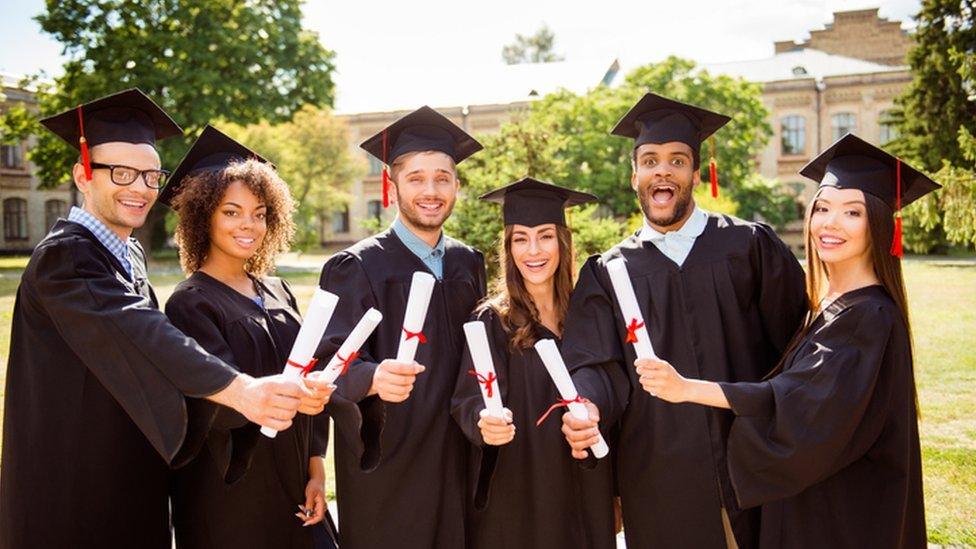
[{"x": 407, "y": 42}]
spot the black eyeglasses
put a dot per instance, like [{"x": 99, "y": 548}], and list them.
[{"x": 127, "y": 175}]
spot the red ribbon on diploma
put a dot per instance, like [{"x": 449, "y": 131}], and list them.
[
  {"x": 306, "y": 368},
  {"x": 487, "y": 381},
  {"x": 419, "y": 335},
  {"x": 559, "y": 404},
  {"x": 347, "y": 361},
  {"x": 632, "y": 330}
]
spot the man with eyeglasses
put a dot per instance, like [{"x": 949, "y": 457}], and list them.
[{"x": 97, "y": 380}]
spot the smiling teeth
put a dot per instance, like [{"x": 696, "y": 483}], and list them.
[
  {"x": 537, "y": 263},
  {"x": 830, "y": 240},
  {"x": 133, "y": 204}
]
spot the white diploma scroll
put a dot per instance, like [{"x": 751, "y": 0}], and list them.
[
  {"x": 301, "y": 358},
  {"x": 633, "y": 319},
  {"x": 567, "y": 390},
  {"x": 421, "y": 288},
  {"x": 349, "y": 349},
  {"x": 484, "y": 367}
]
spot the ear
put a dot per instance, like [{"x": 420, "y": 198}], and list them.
[
  {"x": 696, "y": 178},
  {"x": 633, "y": 180},
  {"x": 78, "y": 175}
]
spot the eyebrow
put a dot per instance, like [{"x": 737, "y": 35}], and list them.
[
  {"x": 437, "y": 170},
  {"x": 229, "y": 203}
]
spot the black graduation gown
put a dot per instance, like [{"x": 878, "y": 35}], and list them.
[
  {"x": 529, "y": 493},
  {"x": 94, "y": 406},
  {"x": 400, "y": 468},
  {"x": 829, "y": 446},
  {"x": 726, "y": 314},
  {"x": 243, "y": 488}
]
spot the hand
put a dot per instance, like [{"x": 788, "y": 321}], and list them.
[
  {"x": 320, "y": 391},
  {"x": 581, "y": 434},
  {"x": 393, "y": 381},
  {"x": 268, "y": 401},
  {"x": 314, "y": 509},
  {"x": 495, "y": 430},
  {"x": 661, "y": 380}
]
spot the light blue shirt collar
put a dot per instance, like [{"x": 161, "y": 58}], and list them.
[
  {"x": 118, "y": 247},
  {"x": 433, "y": 257},
  {"x": 676, "y": 245}
]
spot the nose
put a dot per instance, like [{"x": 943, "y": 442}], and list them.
[
  {"x": 662, "y": 170},
  {"x": 533, "y": 246}
]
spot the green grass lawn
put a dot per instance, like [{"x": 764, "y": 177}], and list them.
[{"x": 943, "y": 307}]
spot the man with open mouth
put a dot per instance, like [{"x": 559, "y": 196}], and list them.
[
  {"x": 400, "y": 458},
  {"x": 720, "y": 297}
]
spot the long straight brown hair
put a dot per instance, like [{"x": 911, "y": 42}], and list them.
[
  {"x": 511, "y": 300},
  {"x": 887, "y": 267}
]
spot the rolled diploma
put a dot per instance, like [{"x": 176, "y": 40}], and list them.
[
  {"x": 567, "y": 390},
  {"x": 620, "y": 278},
  {"x": 477, "y": 338},
  {"x": 317, "y": 318},
  {"x": 364, "y": 328},
  {"x": 421, "y": 288}
]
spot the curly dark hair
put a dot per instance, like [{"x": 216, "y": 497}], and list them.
[{"x": 201, "y": 194}]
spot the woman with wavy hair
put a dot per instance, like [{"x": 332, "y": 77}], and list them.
[
  {"x": 242, "y": 489},
  {"x": 828, "y": 442},
  {"x": 526, "y": 490}
]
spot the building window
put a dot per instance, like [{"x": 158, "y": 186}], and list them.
[
  {"x": 11, "y": 157},
  {"x": 54, "y": 209},
  {"x": 842, "y": 124},
  {"x": 793, "y": 131},
  {"x": 887, "y": 127},
  {"x": 374, "y": 209},
  {"x": 340, "y": 221},
  {"x": 15, "y": 219},
  {"x": 375, "y": 166}
]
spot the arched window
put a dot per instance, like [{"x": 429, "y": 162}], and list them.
[
  {"x": 53, "y": 209},
  {"x": 15, "y": 219}
]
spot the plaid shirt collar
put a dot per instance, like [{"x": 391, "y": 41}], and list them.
[{"x": 118, "y": 247}]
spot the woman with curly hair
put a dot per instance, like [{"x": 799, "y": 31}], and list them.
[
  {"x": 242, "y": 489},
  {"x": 528, "y": 492}
]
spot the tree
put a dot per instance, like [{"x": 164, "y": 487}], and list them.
[
  {"x": 200, "y": 59},
  {"x": 936, "y": 120},
  {"x": 537, "y": 48},
  {"x": 312, "y": 155}
]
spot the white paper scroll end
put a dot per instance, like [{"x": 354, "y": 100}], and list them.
[
  {"x": 629, "y": 308},
  {"x": 421, "y": 288},
  {"x": 351, "y": 346}
]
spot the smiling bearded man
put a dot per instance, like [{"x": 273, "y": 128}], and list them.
[{"x": 721, "y": 298}]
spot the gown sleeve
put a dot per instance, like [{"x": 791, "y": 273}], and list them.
[
  {"x": 358, "y": 417},
  {"x": 591, "y": 346},
  {"x": 125, "y": 341},
  {"x": 782, "y": 298},
  {"x": 809, "y": 422},
  {"x": 230, "y": 437}
]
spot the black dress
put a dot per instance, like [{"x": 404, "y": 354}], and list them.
[
  {"x": 530, "y": 493},
  {"x": 726, "y": 314},
  {"x": 243, "y": 488},
  {"x": 829, "y": 446},
  {"x": 94, "y": 404},
  {"x": 400, "y": 476}
]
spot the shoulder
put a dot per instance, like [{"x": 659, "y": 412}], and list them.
[
  {"x": 866, "y": 313},
  {"x": 192, "y": 294},
  {"x": 67, "y": 246}
]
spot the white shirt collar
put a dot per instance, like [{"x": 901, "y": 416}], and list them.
[{"x": 693, "y": 227}]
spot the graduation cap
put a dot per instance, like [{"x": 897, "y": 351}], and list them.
[
  {"x": 531, "y": 202},
  {"x": 422, "y": 130},
  {"x": 212, "y": 151},
  {"x": 657, "y": 119},
  {"x": 853, "y": 163},
  {"x": 128, "y": 116}
]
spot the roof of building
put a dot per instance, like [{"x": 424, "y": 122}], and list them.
[
  {"x": 798, "y": 64},
  {"x": 404, "y": 89}
]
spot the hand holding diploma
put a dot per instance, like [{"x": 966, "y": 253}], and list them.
[
  {"x": 495, "y": 420},
  {"x": 579, "y": 407}
]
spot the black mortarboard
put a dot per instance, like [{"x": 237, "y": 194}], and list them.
[
  {"x": 422, "y": 130},
  {"x": 657, "y": 119},
  {"x": 531, "y": 202},
  {"x": 212, "y": 151},
  {"x": 853, "y": 163}
]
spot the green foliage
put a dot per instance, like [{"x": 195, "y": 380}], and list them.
[
  {"x": 312, "y": 155},
  {"x": 537, "y": 48},
  {"x": 766, "y": 200}
]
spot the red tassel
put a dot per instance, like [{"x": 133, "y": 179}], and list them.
[
  {"x": 713, "y": 177},
  {"x": 83, "y": 145},
  {"x": 896, "y": 247},
  {"x": 386, "y": 176}
]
